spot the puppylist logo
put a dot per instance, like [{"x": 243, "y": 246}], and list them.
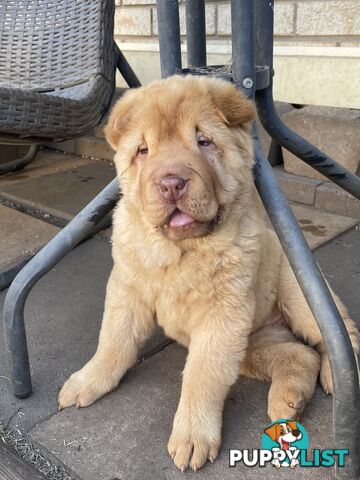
[{"x": 285, "y": 443}]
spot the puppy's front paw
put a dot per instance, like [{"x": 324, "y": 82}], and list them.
[
  {"x": 83, "y": 388},
  {"x": 195, "y": 438},
  {"x": 192, "y": 450}
]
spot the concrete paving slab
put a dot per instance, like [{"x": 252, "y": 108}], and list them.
[
  {"x": 62, "y": 194},
  {"x": 124, "y": 435},
  {"x": 63, "y": 316},
  {"x": 331, "y": 198},
  {"x": 332, "y": 130},
  {"x": 320, "y": 227},
  {"x": 90, "y": 146},
  {"x": 295, "y": 187},
  {"x": 46, "y": 163},
  {"x": 21, "y": 236},
  {"x": 105, "y": 234},
  {"x": 340, "y": 263}
]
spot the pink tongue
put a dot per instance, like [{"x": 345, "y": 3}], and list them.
[{"x": 180, "y": 219}]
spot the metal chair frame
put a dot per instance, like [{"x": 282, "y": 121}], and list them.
[
  {"x": 20, "y": 163},
  {"x": 252, "y": 47}
]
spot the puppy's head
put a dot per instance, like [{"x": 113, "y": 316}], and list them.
[{"x": 183, "y": 153}]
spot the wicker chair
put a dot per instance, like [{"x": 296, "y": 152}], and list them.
[{"x": 57, "y": 70}]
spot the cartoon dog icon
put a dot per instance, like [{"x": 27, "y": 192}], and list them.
[{"x": 284, "y": 433}]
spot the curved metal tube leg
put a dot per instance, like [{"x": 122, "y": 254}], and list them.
[
  {"x": 125, "y": 69},
  {"x": 343, "y": 364},
  {"x": 284, "y": 136},
  {"x": 275, "y": 155},
  {"x": 75, "y": 231},
  {"x": 20, "y": 163},
  {"x": 304, "y": 150}
]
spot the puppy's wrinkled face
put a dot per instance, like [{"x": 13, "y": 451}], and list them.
[{"x": 183, "y": 153}]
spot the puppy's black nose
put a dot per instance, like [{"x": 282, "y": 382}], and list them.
[
  {"x": 296, "y": 433},
  {"x": 172, "y": 188}
]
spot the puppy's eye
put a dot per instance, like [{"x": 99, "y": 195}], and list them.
[
  {"x": 142, "y": 150},
  {"x": 204, "y": 141}
]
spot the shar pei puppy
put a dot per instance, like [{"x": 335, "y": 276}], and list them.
[{"x": 192, "y": 253}]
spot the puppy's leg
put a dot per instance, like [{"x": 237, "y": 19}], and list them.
[
  {"x": 275, "y": 354},
  {"x": 302, "y": 322},
  {"x": 212, "y": 366},
  {"x": 127, "y": 322}
]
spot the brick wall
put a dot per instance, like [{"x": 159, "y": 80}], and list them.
[
  {"x": 313, "y": 22},
  {"x": 322, "y": 30}
]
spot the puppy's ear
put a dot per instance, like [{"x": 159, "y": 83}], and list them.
[
  {"x": 235, "y": 108},
  {"x": 120, "y": 117},
  {"x": 272, "y": 432}
]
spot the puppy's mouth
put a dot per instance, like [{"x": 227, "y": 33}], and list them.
[
  {"x": 180, "y": 219},
  {"x": 181, "y": 225}
]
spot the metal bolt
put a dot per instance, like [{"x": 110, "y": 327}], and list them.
[{"x": 247, "y": 82}]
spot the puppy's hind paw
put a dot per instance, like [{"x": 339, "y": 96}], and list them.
[
  {"x": 285, "y": 403},
  {"x": 325, "y": 375}
]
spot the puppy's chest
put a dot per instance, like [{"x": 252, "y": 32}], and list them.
[{"x": 184, "y": 295}]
